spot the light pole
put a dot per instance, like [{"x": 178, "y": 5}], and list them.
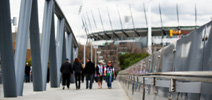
[
  {"x": 98, "y": 52},
  {"x": 149, "y": 44},
  {"x": 95, "y": 47},
  {"x": 91, "y": 51},
  {"x": 84, "y": 55}
]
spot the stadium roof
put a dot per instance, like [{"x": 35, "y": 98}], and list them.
[{"x": 123, "y": 34}]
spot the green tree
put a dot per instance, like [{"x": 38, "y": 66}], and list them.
[{"x": 129, "y": 59}]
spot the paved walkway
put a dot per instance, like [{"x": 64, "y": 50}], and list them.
[{"x": 116, "y": 93}]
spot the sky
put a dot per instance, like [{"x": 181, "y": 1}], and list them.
[{"x": 76, "y": 10}]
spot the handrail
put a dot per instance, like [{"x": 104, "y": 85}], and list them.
[
  {"x": 181, "y": 73},
  {"x": 195, "y": 76}
]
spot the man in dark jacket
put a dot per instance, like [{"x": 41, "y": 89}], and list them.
[
  {"x": 66, "y": 70},
  {"x": 27, "y": 72},
  {"x": 89, "y": 71}
]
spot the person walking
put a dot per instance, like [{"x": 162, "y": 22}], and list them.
[
  {"x": 77, "y": 67},
  {"x": 109, "y": 72},
  {"x": 89, "y": 71},
  {"x": 66, "y": 70},
  {"x": 100, "y": 72},
  {"x": 27, "y": 72},
  {"x": 82, "y": 74}
]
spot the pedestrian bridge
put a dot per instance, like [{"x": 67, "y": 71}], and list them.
[
  {"x": 116, "y": 93},
  {"x": 180, "y": 71}
]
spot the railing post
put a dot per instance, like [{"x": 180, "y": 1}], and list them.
[{"x": 172, "y": 85}]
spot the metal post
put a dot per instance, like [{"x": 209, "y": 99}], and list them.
[
  {"x": 91, "y": 52},
  {"x": 84, "y": 55},
  {"x": 86, "y": 25},
  {"x": 60, "y": 37},
  {"x": 94, "y": 19},
  {"x": 89, "y": 21},
  {"x": 64, "y": 56},
  {"x": 95, "y": 47},
  {"x": 195, "y": 16},
  {"x": 149, "y": 28},
  {"x": 132, "y": 16},
  {"x": 161, "y": 20},
  {"x": 21, "y": 43},
  {"x": 77, "y": 50},
  {"x": 120, "y": 18},
  {"x": 47, "y": 24},
  {"x": 72, "y": 80},
  {"x": 53, "y": 56},
  {"x": 111, "y": 25},
  {"x": 101, "y": 20},
  {"x": 35, "y": 48},
  {"x": 145, "y": 15},
  {"x": 6, "y": 48},
  {"x": 68, "y": 53},
  {"x": 178, "y": 20}
]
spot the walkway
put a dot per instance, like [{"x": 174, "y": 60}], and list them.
[{"x": 117, "y": 93}]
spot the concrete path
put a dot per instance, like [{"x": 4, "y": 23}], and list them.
[{"x": 116, "y": 93}]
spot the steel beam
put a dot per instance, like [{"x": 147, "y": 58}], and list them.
[
  {"x": 64, "y": 50},
  {"x": 60, "y": 37},
  {"x": 70, "y": 36},
  {"x": 77, "y": 51},
  {"x": 125, "y": 33},
  {"x": 116, "y": 35},
  {"x": 35, "y": 48},
  {"x": 68, "y": 48},
  {"x": 6, "y": 48},
  {"x": 47, "y": 24},
  {"x": 53, "y": 56},
  {"x": 107, "y": 35},
  {"x": 137, "y": 32},
  {"x": 21, "y": 43}
]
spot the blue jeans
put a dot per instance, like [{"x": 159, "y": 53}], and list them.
[
  {"x": 89, "y": 77},
  {"x": 27, "y": 77},
  {"x": 109, "y": 81}
]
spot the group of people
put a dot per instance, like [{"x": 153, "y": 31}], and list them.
[{"x": 100, "y": 72}]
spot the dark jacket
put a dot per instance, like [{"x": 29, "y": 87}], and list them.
[
  {"x": 27, "y": 69},
  {"x": 77, "y": 67},
  {"x": 89, "y": 68},
  {"x": 66, "y": 68}
]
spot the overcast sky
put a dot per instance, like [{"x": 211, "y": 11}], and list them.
[{"x": 168, "y": 9}]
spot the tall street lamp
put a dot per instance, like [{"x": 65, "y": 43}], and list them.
[{"x": 95, "y": 47}]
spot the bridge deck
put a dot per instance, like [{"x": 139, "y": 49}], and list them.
[{"x": 116, "y": 93}]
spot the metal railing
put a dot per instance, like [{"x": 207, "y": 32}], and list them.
[
  {"x": 147, "y": 86},
  {"x": 181, "y": 70}
]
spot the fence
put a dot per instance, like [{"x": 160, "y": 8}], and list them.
[{"x": 180, "y": 71}]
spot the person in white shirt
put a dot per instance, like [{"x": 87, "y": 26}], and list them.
[{"x": 99, "y": 72}]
